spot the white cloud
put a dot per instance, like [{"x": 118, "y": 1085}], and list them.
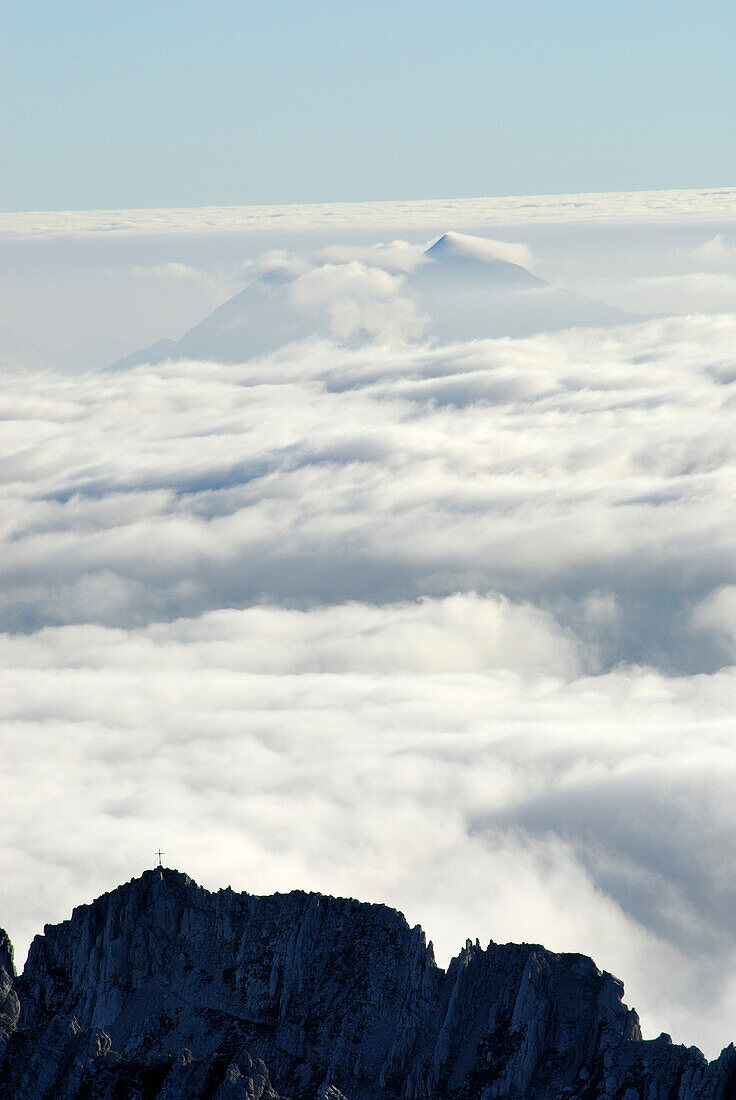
[
  {"x": 642, "y": 207},
  {"x": 717, "y": 252},
  {"x": 276, "y": 265},
  {"x": 717, "y": 613},
  {"x": 380, "y": 474},
  {"x": 360, "y": 302},
  {"x": 396, "y": 256}
]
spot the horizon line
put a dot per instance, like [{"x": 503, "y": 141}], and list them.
[{"x": 702, "y": 204}]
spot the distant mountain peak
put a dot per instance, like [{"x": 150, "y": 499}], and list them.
[
  {"x": 453, "y": 247},
  {"x": 466, "y": 287}
]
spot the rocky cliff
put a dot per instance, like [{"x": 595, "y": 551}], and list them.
[{"x": 163, "y": 990}]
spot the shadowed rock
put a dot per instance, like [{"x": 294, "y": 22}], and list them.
[{"x": 163, "y": 990}]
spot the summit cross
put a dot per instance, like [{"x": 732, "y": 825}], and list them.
[{"x": 159, "y": 853}]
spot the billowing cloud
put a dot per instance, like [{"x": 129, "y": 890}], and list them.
[
  {"x": 359, "y": 301},
  {"x": 586, "y": 473},
  {"x": 717, "y": 252},
  {"x": 396, "y": 256},
  {"x": 717, "y": 613},
  {"x": 276, "y": 265}
]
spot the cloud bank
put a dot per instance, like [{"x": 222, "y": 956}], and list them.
[
  {"x": 587, "y": 473},
  {"x": 450, "y": 627},
  {"x": 640, "y": 207}
]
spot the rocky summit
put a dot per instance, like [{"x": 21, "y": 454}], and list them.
[{"x": 161, "y": 989}]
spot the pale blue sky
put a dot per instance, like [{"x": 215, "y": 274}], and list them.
[{"x": 174, "y": 102}]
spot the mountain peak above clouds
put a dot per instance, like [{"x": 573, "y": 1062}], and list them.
[
  {"x": 462, "y": 248},
  {"x": 163, "y": 990},
  {"x": 474, "y": 288},
  {"x": 464, "y": 288}
]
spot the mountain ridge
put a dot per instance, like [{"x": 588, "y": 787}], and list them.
[{"x": 161, "y": 989}]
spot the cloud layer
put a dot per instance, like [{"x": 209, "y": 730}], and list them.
[
  {"x": 707, "y": 204},
  {"x": 588, "y": 473},
  {"x": 450, "y": 627}
]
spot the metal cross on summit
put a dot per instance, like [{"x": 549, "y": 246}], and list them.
[{"x": 159, "y": 853}]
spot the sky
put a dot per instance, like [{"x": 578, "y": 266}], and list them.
[{"x": 174, "y": 103}]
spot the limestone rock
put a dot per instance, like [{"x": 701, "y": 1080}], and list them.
[
  {"x": 9, "y": 1003},
  {"x": 161, "y": 990}
]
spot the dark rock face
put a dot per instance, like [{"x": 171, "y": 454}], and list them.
[
  {"x": 9, "y": 1003},
  {"x": 163, "y": 990}
]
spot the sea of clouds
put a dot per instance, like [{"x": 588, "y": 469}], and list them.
[{"x": 449, "y": 626}]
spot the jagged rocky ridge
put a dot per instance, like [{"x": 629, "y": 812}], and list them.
[{"x": 163, "y": 990}]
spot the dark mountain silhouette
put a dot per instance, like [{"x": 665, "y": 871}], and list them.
[{"x": 161, "y": 990}]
